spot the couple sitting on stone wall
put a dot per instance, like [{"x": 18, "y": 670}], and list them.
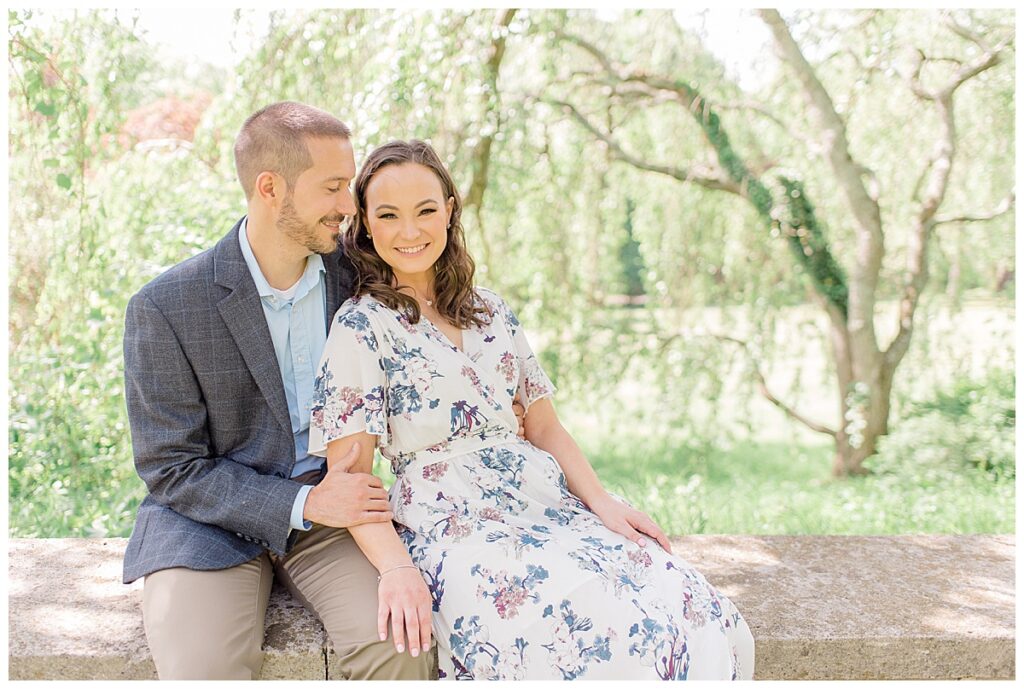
[{"x": 331, "y": 321}]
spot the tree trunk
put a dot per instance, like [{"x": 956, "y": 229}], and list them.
[
  {"x": 480, "y": 159},
  {"x": 864, "y": 381},
  {"x": 839, "y": 343},
  {"x": 853, "y": 449},
  {"x": 1004, "y": 276}
]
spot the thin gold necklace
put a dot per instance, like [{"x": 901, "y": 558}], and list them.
[{"x": 428, "y": 302}]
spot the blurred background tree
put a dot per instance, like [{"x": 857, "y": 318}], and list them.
[
  {"x": 847, "y": 291},
  {"x": 633, "y": 198}
]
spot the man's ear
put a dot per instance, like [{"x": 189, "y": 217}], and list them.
[{"x": 269, "y": 188}]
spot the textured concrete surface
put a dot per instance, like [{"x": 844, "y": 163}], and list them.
[
  {"x": 294, "y": 640},
  {"x": 868, "y": 607},
  {"x": 70, "y": 617},
  {"x": 820, "y": 607}
]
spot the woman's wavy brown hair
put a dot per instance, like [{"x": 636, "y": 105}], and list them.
[{"x": 454, "y": 296}]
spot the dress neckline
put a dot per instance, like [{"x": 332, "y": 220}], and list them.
[
  {"x": 439, "y": 334},
  {"x": 431, "y": 331}
]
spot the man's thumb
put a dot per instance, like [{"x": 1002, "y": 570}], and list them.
[{"x": 346, "y": 461}]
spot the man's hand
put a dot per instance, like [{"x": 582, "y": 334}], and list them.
[
  {"x": 520, "y": 412},
  {"x": 344, "y": 499}
]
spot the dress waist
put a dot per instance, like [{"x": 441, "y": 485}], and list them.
[{"x": 403, "y": 461}]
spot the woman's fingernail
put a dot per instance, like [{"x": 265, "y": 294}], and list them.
[
  {"x": 414, "y": 651},
  {"x": 383, "y": 636},
  {"x": 426, "y": 647},
  {"x": 641, "y": 543},
  {"x": 401, "y": 648}
]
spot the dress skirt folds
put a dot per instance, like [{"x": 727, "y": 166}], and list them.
[{"x": 527, "y": 583}]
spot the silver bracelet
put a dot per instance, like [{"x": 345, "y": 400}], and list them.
[{"x": 393, "y": 569}]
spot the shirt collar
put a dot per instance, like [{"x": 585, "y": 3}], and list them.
[{"x": 310, "y": 277}]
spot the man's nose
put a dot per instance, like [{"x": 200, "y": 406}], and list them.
[{"x": 345, "y": 205}]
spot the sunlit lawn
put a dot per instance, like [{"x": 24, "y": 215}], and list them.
[{"x": 774, "y": 488}]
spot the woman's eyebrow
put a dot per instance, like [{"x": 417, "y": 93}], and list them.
[{"x": 395, "y": 208}]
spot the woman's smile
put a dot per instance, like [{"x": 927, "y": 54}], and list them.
[{"x": 412, "y": 250}]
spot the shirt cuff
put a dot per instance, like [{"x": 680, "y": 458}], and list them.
[{"x": 297, "y": 521}]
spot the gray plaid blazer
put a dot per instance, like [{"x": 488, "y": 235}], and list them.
[{"x": 209, "y": 422}]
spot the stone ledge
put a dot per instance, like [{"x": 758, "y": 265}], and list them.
[{"x": 820, "y": 607}]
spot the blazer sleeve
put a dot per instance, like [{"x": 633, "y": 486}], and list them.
[{"x": 171, "y": 443}]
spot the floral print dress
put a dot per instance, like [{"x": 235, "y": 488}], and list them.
[{"x": 526, "y": 582}]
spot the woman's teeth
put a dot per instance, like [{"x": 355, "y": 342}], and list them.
[{"x": 411, "y": 249}]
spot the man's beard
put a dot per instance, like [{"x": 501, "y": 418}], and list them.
[{"x": 307, "y": 236}]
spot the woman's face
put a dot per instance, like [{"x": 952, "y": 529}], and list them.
[{"x": 408, "y": 217}]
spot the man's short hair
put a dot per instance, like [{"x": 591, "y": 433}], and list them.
[{"x": 273, "y": 140}]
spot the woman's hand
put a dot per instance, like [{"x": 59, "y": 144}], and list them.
[
  {"x": 629, "y": 522},
  {"x": 520, "y": 411},
  {"x": 403, "y": 596}
]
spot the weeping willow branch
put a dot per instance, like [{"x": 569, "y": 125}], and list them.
[
  {"x": 680, "y": 173},
  {"x": 1004, "y": 207},
  {"x": 762, "y": 385},
  {"x": 811, "y": 249}
]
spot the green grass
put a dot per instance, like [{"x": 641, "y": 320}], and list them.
[
  {"x": 751, "y": 488},
  {"x": 774, "y": 488}
]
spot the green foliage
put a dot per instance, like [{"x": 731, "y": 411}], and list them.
[
  {"x": 631, "y": 262},
  {"x": 968, "y": 424},
  {"x": 95, "y": 223},
  {"x": 71, "y": 467}
]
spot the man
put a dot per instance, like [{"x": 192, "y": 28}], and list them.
[{"x": 220, "y": 353}]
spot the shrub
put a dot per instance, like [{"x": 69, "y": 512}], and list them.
[{"x": 970, "y": 423}]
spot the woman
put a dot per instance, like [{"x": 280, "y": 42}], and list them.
[{"x": 530, "y": 568}]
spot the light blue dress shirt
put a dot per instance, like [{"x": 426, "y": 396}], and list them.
[{"x": 298, "y": 327}]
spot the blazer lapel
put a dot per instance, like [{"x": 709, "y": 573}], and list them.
[
  {"x": 339, "y": 279},
  {"x": 242, "y": 312}
]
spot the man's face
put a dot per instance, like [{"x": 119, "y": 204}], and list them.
[{"x": 320, "y": 199}]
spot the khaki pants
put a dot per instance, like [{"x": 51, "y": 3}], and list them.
[{"x": 209, "y": 624}]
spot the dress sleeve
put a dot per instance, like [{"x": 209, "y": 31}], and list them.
[
  {"x": 534, "y": 383},
  {"x": 348, "y": 393}
]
